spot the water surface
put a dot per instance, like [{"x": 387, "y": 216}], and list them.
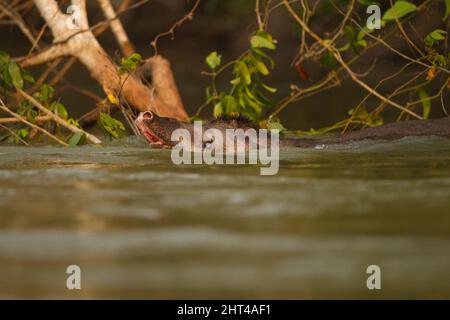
[{"x": 141, "y": 227}]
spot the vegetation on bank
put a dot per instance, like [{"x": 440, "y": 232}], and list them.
[{"x": 30, "y": 108}]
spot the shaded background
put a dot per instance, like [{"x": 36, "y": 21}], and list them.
[{"x": 225, "y": 26}]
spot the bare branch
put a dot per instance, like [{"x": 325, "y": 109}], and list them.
[
  {"x": 171, "y": 31},
  {"x": 52, "y": 53},
  {"x": 83, "y": 45},
  {"x": 164, "y": 84},
  {"x": 55, "y": 19},
  {"x": 39, "y": 119},
  {"x": 17, "y": 20},
  {"x": 117, "y": 27}
]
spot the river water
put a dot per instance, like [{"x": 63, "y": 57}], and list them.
[{"x": 140, "y": 227}]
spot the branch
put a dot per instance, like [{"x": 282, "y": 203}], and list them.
[
  {"x": 58, "y": 119},
  {"x": 385, "y": 44},
  {"x": 83, "y": 45},
  {"x": 164, "y": 84},
  {"x": 38, "y": 119},
  {"x": 83, "y": 18},
  {"x": 55, "y": 19},
  {"x": 14, "y": 134},
  {"x": 338, "y": 58},
  {"x": 117, "y": 27},
  {"x": 17, "y": 20},
  {"x": 21, "y": 119},
  {"x": 171, "y": 31},
  {"x": 52, "y": 53}
]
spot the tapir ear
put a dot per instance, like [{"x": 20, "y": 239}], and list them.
[{"x": 147, "y": 115}]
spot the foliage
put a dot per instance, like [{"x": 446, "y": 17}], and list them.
[
  {"x": 129, "y": 64},
  {"x": 399, "y": 10},
  {"x": 447, "y": 10},
  {"x": 435, "y": 37},
  {"x": 247, "y": 94},
  {"x": 213, "y": 60},
  {"x": 112, "y": 128},
  {"x": 75, "y": 139},
  {"x": 12, "y": 77}
]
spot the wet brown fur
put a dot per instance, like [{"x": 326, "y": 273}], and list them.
[{"x": 163, "y": 127}]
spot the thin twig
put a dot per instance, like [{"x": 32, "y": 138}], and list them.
[
  {"x": 14, "y": 134},
  {"x": 171, "y": 31},
  {"x": 338, "y": 58}
]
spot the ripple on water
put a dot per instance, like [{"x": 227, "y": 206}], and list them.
[{"x": 127, "y": 213}]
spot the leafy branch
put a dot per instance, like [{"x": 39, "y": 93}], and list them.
[{"x": 247, "y": 94}]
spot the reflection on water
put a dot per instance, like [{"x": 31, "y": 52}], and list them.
[{"x": 140, "y": 227}]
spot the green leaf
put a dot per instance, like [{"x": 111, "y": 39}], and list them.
[
  {"x": 265, "y": 35},
  {"x": 218, "y": 110},
  {"x": 250, "y": 94},
  {"x": 130, "y": 63},
  {"x": 345, "y": 47},
  {"x": 135, "y": 58},
  {"x": 361, "y": 43},
  {"x": 4, "y": 57},
  {"x": 6, "y": 78},
  {"x": 261, "y": 67},
  {"x": 447, "y": 10},
  {"x": 270, "y": 89},
  {"x": 251, "y": 101},
  {"x": 235, "y": 82},
  {"x": 260, "y": 54},
  {"x": 59, "y": 109},
  {"x": 229, "y": 104},
  {"x": 435, "y": 36},
  {"x": 440, "y": 60},
  {"x": 16, "y": 74},
  {"x": 213, "y": 60},
  {"x": 246, "y": 97},
  {"x": 45, "y": 93},
  {"x": 27, "y": 76},
  {"x": 399, "y": 10},
  {"x": 245, "y": 73},
  {"x": 77, "y": 138},
  {"x": 111, "y": 126},
  {"x": 426, "y": 103},
  {"x": 263, "y": 99},
  {"x": 27, "y": 110},
  {"x": 260, "y": 42},
  {"x": 74, "y": 122},
  {"x": 23, "y": 133}
]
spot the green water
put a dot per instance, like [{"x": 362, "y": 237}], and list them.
[{"x": 141, "y": 227}]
